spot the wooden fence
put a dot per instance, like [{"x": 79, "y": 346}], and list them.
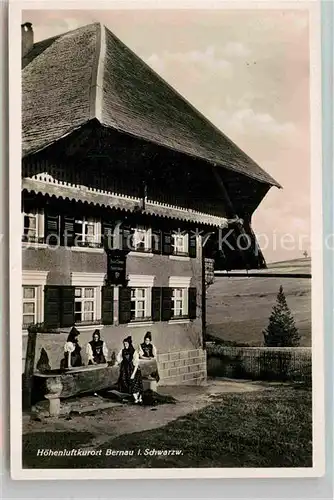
[{"x": 260, "y": 363}]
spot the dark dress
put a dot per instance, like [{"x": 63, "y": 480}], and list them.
[
  {"x": 148, "y": 353},
  {"x": 147, "y": 350},
  {"x": 97, "y": 348},
  {"x": 125, "y": 384}
]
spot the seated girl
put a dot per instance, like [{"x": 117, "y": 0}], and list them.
[
  {"x": 72, "y": 350},
  {"x": 96, "y": 350},
  {"x": 147, "y": 349}
]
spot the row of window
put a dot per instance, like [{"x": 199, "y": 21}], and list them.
[
  {"x": 53, "y": 229},
  {"x": 65, "y": 306}
]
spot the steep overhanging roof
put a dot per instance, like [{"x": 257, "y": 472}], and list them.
[{"x": 89, "y": 74}]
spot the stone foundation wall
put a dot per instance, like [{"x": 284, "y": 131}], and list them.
[{"x": 183, "y": 367}]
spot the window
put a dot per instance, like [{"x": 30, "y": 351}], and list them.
[
  {"x": 179, "y": 302},
  {"x": 29, "y": 305},
  {"x": 141, "y": 239},
  {"x": 110, "y": 236},
  {"x": 85, "y": 304},
  {"x": 180, "y": 243},
  {"x": 86, "y": 232},
  {"x": 32, "y": 226},
  {"x": 139, "y": 303},
  {"x": 33, "y": 283}
]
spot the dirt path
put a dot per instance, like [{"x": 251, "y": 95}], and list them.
[{"x": 106, "y": 424}]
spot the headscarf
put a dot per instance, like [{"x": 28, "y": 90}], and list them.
[
  {"x": 96, "y": 332},
  {"x": 148, "y": 335},
  {"x": 130, "y": 349},
  {"x": 72, "y": 336},
  {"x": 96, "y": 343}
]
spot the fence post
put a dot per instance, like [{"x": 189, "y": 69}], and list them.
[{"x": 29, "y": 370}]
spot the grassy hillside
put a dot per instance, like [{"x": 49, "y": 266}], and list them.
[{"x": 238, "y": 308}]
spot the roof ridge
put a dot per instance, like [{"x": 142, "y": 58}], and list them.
[
  {"x": 199, "y": 114},
  {"x": 96, "y": 88}
]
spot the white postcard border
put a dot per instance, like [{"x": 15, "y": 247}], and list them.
[{"x": 17, "y": 472}]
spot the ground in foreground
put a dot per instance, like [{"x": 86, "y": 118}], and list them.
[{"x": 261, "y": 428}]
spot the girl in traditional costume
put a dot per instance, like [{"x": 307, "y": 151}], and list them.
[
  {"x": 72, "y": 350},
  {"x": 96, "y": 350},
  {"x": 147, "y": 350},
  {"x": 130, "y": 379}
]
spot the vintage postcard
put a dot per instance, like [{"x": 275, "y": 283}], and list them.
[{"x": 165, "y": 239}]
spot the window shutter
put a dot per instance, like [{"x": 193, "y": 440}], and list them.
[
  {"x": 156, "y": 241},
  {"x": 52, "y": 229},
  {"x": 192, "y": 293},
  {"x": 52, "y": 306},
  {"x": 124, "y": 305},
  {"x": 107, "y": 305},
  {"x": 192, "y": 245},
  {"x": 167, "y": 243},
  {"x": 156, "y": 304},
  {"x": 67, "y": 306},
  {"x": 127, "y": 238},
  {"x": 68, "y": 233},
  {"x": 166, "y": 304},
  {"x": 107, "y": 233},
  {"x": 59, "y": 306}
]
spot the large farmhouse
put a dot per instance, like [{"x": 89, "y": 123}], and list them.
[{"x": 122, "y": 180}]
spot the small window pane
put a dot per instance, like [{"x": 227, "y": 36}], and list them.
[
  {"x": 29, "y": 308},
  {"x": 32, "y": 222},
  {"x": 90, "y": 231},
  {"x": 88, "y": 316},
  {"x": 28, "y": 320},
  {"x": 89, "y": 293},
  {"x": 28, "y": 292},
  {"x": 88, "y": 305},
  {"x": 78, "y": 292},
  {"x": 78, "y": 306}
]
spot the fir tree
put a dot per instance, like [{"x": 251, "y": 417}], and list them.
[{"x": 281, "y": 330}]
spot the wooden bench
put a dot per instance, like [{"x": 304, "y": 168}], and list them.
[{"x": 60, "y": 384}]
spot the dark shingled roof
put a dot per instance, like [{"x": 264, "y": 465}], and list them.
[{"x": 89, "y": 73}]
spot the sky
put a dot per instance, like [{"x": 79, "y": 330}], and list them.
[{"x": 247, "y": 71}]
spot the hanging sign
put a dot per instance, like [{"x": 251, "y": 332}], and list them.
[{"x": 116, "y": 272}]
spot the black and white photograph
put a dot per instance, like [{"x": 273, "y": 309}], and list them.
[{"x": 166, "y": 303}]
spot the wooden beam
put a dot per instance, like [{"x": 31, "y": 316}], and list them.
[{"x": 231, "y": 213}]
